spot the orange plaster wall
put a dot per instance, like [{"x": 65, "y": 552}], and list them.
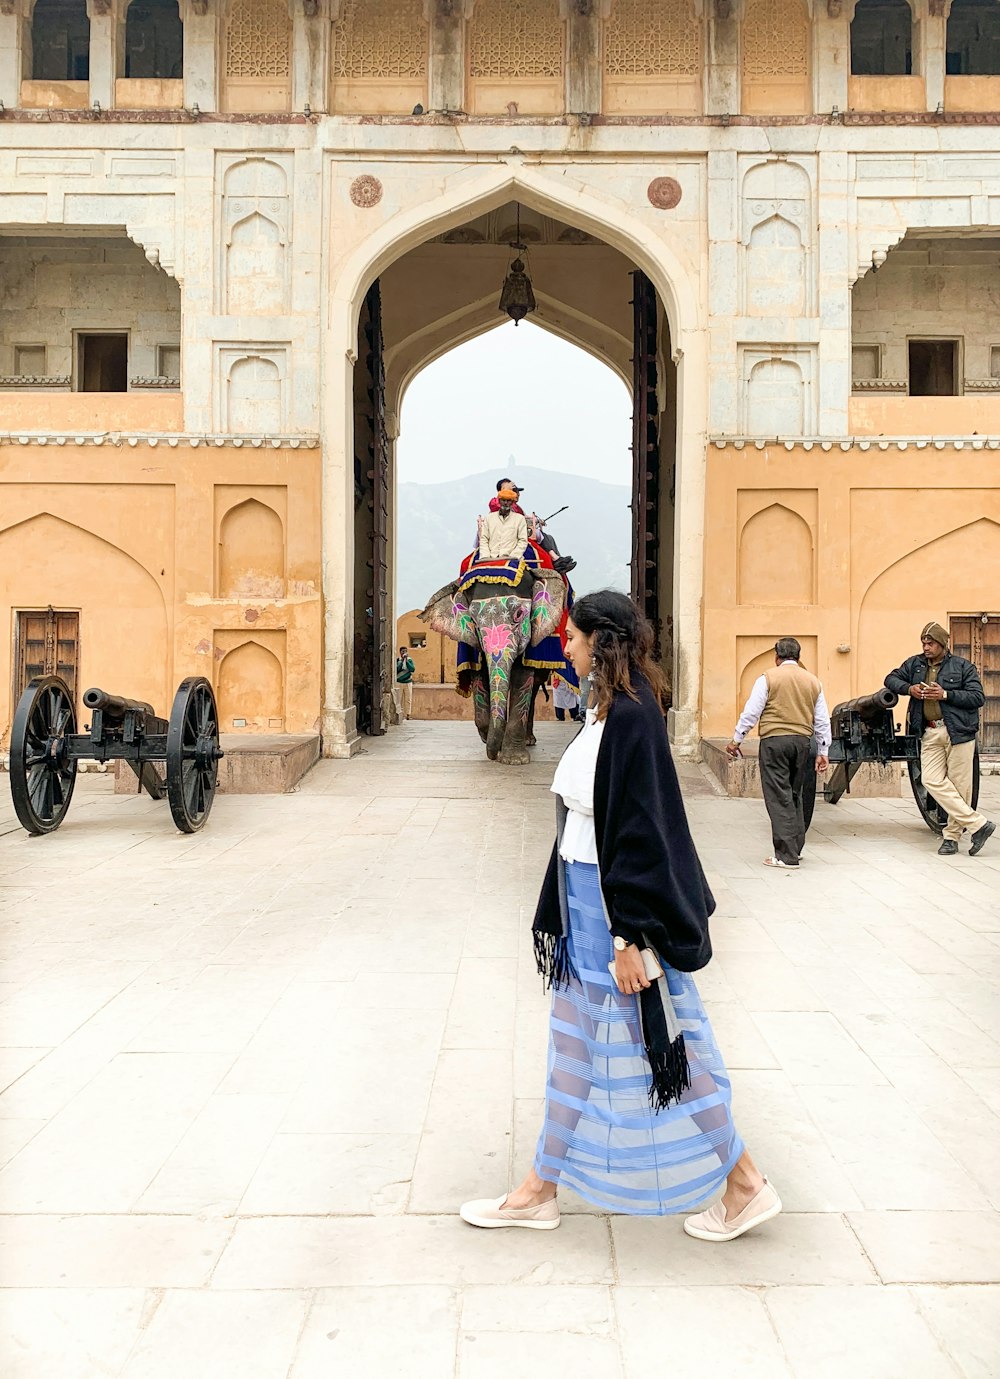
[
  {"x": 898, "y": 537},
  {"x": 129, "y": 537},
  {"x": 86, "y": 412},
  {"x": 973, "y": 414}
]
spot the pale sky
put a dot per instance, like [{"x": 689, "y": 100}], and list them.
[{"x": 517, "y": 391}]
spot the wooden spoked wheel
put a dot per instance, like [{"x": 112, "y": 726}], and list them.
[
  {"x": 193, "y": 754},
  {"x": 42, "y": 775}
]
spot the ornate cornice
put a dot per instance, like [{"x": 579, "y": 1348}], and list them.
[
  {"x": 982, "y": 385},
  {"x": 147, "y": 383},
  {"x": 171, "y": 440},
  {"x": 879, "y": 385},
  {"x": 863, "y": 443},
  {"x": 31, "y": 382}
]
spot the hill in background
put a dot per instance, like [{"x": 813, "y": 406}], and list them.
[{"x": 437, "y": 528}]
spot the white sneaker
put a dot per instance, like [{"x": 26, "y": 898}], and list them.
[
  {"x": 713, "y": 1225},
  {"x": 491, "y": 1213}
]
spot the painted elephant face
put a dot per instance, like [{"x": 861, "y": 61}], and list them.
[{"x": 504, "y": 626}]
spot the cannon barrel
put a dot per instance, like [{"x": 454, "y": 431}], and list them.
[
  {"x": 867, "y": 705},
  {"x": 114, "y": 706}
]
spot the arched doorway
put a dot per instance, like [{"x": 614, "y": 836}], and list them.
[
  {"x": 396, "y": 313},
  {"x": 529, "y": 404}
]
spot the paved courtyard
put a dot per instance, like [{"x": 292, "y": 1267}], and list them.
[{"x": 250, "y": 1074}]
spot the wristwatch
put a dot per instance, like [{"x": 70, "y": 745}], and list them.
[{"x": 621, "y": 944}]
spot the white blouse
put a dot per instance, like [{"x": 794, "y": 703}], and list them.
[{"x": 574, "y": 781}]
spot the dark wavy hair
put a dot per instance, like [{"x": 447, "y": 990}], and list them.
[{"x": 623, "y": 646}]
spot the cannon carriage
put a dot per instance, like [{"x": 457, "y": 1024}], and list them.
[
  {"x": 46, "y": 749},
  {"x": 864, "y": 730}
]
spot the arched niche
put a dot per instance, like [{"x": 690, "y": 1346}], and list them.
[
  {"x": 776, "y": 58},
  {"x": 755, "y": 656},
  {"x": 255, "y": 266},
  {"x": 124, "y": 641},
  {"x": 154, "y": 40},
  {"x": 956, "y": 572},
  {"x": 775, "y": 403},
  {"x": 882, "y": 39},
  {"x": 251, "y": 552},
  {"x": 776, "y": 282},
  {"x": 254, "y": 401},
  {"x": 251, "y": 687},
  {"x": 777, "y": 560}
]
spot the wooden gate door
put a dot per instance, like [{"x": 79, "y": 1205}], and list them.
[
  {"x": 979, "y": 642},
  {"x": 48, "y": 643},
  {"x": 645, "y": 454},
  {"x": 378, "y": 502}
]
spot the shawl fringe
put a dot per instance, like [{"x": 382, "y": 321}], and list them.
[
  {"x": 671, "y": 1074},
  {"x": 552, "y": 959}
]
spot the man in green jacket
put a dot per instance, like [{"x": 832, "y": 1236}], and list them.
[{"x": 405, "y": 670}]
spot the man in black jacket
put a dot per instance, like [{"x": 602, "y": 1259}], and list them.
[{"x": 946, "y": 695}]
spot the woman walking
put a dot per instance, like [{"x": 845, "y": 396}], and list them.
[{"x": 637, "y": 1109}]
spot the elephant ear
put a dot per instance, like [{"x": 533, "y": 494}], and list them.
[
  {"x": 548, "y": 601},
  {"x": 448, "y": 613}
]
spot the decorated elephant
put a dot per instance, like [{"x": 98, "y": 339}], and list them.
[{"x": 506, "y": 629}]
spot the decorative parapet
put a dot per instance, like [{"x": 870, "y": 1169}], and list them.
[
  {"x": 33, "y": 382},
  {"x": 145, "y": 384},
  {"x": 120, "y": 438},
  {"x": 879, "y": 385},
  {"x": 825, "y": 444}
]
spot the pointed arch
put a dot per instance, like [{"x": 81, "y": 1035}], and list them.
[
  {"x": 123, "y": 616},
  {"x": 932, "y": 580},
  {"x": 640, "y": 238},
  {"x": 251, "y": 686},
  {"x": 251, "y": 552},
  {"x": 776, "y": 558}
]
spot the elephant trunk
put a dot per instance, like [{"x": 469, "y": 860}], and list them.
[{"x": 500, "y": 666}]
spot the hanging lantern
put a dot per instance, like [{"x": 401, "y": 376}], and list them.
[{"x": 517, "y": 298}]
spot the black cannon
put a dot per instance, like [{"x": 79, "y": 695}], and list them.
[
  {"x": 45, "y": 749},
  {"x": 863, "y": 730}
]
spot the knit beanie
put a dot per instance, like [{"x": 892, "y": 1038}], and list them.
[{"x": 936, "y": 632}]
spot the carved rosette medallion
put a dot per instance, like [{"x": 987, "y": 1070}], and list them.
[
  {"x": 366, "y": 191},
  {"x": 664, "y": 193}
]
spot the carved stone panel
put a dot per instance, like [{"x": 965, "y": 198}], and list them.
[
  {"x": 777, "y": 259},
  {"x": 256, "y": 234}
]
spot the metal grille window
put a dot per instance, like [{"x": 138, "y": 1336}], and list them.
[
  {"x": 775, "y": 39},
  {"x": 258, "y": 39},
  {"x": 380, "y": 39},
  {"x": 516, "y": 38}
]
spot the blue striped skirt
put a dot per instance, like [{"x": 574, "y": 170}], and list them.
[{"x": 601, "y": 1137}]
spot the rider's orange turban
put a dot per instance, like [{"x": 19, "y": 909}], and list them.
[{"x": 508, "y": 493}]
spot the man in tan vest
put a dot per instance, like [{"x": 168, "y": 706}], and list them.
[{"x": 789, "y": 706}]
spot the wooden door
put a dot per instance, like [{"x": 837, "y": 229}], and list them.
[
  {"x": 375, "y": 488},
  {"x": 48, "y": 643},
  {"x": 645, "y": 454},
  {"x": 977, "y": 638}
]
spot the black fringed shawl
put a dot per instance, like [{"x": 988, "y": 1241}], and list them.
[{"x": 655, "y": 892}]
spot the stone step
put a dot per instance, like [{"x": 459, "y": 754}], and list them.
[{"x": 254, "y": 764}]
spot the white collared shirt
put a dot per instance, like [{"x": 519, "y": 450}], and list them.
[{"x": 574, "y": 781}]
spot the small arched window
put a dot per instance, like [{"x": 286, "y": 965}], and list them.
[
  {"x": 973, "y": 44},
  {"x": 60, "y": 41},
  {"x": 154, "y": 40},
  {"x": 882, "y": 39}
]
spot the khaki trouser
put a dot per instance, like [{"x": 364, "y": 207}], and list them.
[
  {"x": 404, "y": 698},
  {"x": 946, "y": 771}
]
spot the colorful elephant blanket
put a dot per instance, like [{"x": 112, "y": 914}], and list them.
[{"x": 548, "y": 654}]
